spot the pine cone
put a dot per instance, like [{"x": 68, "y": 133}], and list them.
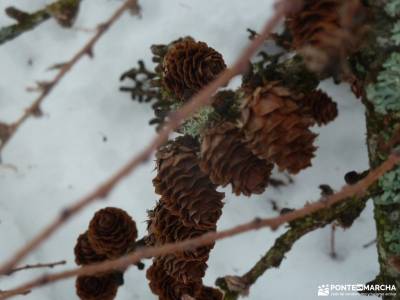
[
  {"x": 103, "y": 287},
  {"x": 326, "y": 32},
  {"x": 183, "y": 269},
  {"x": 112, "y": 232},
  {"x": 320, "y": 107},
  {"x": 186, "y": 191},
  {"x": 168, "y": 288},
  {"x": 225, "y": 157},
  {"x": 276, "y": 130},
  {"x": 188, "y": 66},
  {"x": 168, "y": 228},
  {"x": 84, "y": 253}
]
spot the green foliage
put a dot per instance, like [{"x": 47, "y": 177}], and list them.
[
  {"x": 390, "y": 184},
  {"x": 384, "y": 94},
  {"x": 392, "y": 8},
  {"x": 396, "y": 33}
]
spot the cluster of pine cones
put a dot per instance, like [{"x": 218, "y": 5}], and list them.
[
  {"x": 264, "y": 123},
  {"x": 189, "y": 207},
  {"x": 112, "y": 233},
  {"x": 274, "y": 129}
]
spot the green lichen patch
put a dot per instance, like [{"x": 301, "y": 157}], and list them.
[
  {"x": 396, "y": 33},
  {"x": 195, "y": 124},
  {"x": 384, "y": 94},
  {"x": 390, "y": 184},
  {"x": 392, "y": 239},
  {"x": 392, "y": 8}
]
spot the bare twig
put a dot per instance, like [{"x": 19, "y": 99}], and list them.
[
  {"x": 332, "y": 252},
  {"x": 347, "y": 192},
  {"x": 23, "y": 293},
  {"x": 47, "y": 87},
  {"x": 175, "y": 119},
  {"x": 369, "y": 244},
  {"x": 38, "y": 266}
]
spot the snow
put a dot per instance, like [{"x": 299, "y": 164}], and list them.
[{"x": 62, "y": 156}]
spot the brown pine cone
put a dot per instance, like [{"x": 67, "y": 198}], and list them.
[
  {"x": 84, "y": 253},
  {"x": 183, "y": 269},
  {"x": 186, "y": 191},
  {"x": 326, "y": 32},
  {"x": 112, "y": 232},
  {"x": 103, "y": 287},
  {"x": 168, "y": 288},
  {"x": 188, "y": 66},
  {"x": 227, "y": 160},
  {"x": 320, "y": 107},
  {"x": 276, "y": 130},
  {"x": 168, "y": 228}
]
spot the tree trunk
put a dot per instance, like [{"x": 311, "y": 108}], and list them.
[{"x": 378, "y": 68}]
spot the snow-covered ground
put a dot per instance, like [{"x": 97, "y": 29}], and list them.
[{"x": 54, "y": 160}]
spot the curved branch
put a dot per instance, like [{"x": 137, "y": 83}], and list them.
[
  {"x": 37, "y": 266},
  {"x": 199, "y": 100},
  {"x": 235, "y": 286},
  {"x": 357, "y": 190}
]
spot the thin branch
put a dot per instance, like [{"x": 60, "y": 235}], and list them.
[
  {"x": 23, "y": 293},
  {"x": 47, "y": 87},
  {"x": 332, "y": 242},
  {"x": 38, "y": 266},
  {"x": 235, "y": 286},
  {"x": 369, "y": 244},
  {"x": 175, "y": 119},
  {"x": 349, "y": 191},
  {"x": 29, "y": 21}
]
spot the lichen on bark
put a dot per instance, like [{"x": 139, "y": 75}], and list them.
[{"x": 380, "y": 61}]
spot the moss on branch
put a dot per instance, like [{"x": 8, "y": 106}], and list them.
[{"x": 64, "y": 11}]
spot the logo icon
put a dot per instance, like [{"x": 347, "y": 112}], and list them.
[{"x": 323, "y": 290}]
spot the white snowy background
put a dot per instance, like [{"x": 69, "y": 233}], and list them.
[{"x": 54, "y": 160}]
